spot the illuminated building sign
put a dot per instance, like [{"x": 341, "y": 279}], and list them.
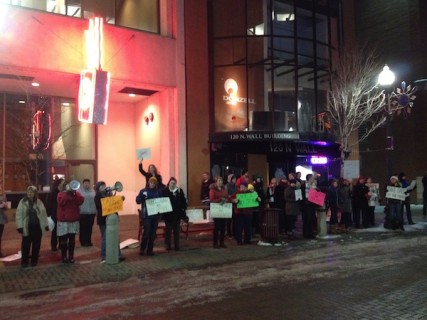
[
  {"x": 41, "y": 131},
  {"x": 94, "y": 86},
  {"x": 319, "y": 160},
  {"x": 231, "y": 88}
]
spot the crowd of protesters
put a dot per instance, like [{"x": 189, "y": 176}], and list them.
[{"x": 348, "y": 204}]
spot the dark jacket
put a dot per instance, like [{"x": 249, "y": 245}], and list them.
[
  {"x": 360, "y": 195},
  {"x": 332, "y": 197},
  {"x": 344, "y": 199},
  {"x": 100, "y": 219},
  {"x": 293, "y": 206},
  {"x": 144, "y": 194},
  {"x": 148, "y": 175},
  {"x": 179, "y": 205}
]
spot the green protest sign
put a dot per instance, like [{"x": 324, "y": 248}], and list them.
[{"x": 247, "y": 200}]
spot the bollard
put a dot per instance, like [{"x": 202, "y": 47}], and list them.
[
  {"x": 112, "y": 239},
  {"x": 321, "y": 222}
]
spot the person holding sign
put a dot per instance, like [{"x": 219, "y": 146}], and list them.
[
  {"x": 173, "y": 218},
  {"x": 68, "y": 226},
  {"x": 152, "y": 172},
  {"x": 151, "y": 221},
  {"x": 101, "y": 220},
  {"x": 218, "y": 194},
  {"x": 394, "y": 204},
  {"x": 246, "y": 200}
]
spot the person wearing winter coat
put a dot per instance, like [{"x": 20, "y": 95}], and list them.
[
  {"x": 151, "y": 222},
  {"x": 360, "y": 203},
  {"x": 68, "y": 215},
  {"x": 308, "y": 208},
  {"x": 152, "y": 172},
  {"x": 58, "y": 185},
  {"x": 373, "y": 200},
  {"x": 218, "y": 194},
  {"x": 231, "y": 189},
  {"x": 244, "y": 215},
  {"x": 173, "y": 219},
  {"x": 394, "y": 206},
  {"x": 406, "y": 204},
  {"x": 344, "y": 203},
  {"x": 293, "y": 207},
  {"x": 31, "y": 222},
  {"x": 332, "y": 204}
]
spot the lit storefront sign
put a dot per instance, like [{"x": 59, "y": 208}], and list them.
[
  {"x": 41, "y": 131},
  {"x": 94, "y": 88},
  {"x": 319, "y": 160}
]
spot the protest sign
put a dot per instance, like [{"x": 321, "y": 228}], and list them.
[
  {"x": 111, "y": 205},
  {"x": 316, "y": 197},
  {"x": 298, "y": 194},
  {"x": 395, "y": 193},
  {"x": 158, "y": 205},
  {"x": 247, "y": 200},
  {"x": 218, "y": 210},
  {"x": 143, "y": 153}
]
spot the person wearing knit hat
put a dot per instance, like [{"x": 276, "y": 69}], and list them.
[
  {"x": 150, "y": 220},
  {"x": 395, "y": 178}
]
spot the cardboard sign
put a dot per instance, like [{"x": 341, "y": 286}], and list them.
[
  {"x": 395, "y": 193},
  {"x": 111, "y": 205},
  {"x": 316, "y": 197},
  {"x": 219, "y": 210},
  {"x": 158, "y": 205},
  {"x": 247, "y": 200}
]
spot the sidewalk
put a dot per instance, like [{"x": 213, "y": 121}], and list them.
[{"x": 196, "y": 253}]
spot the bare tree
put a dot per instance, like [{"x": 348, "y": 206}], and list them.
[
  {"x": 20, "y": 136},
  {"x": 356, "y": 103}
]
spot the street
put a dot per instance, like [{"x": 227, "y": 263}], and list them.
[{"x": 358, "y": 276}]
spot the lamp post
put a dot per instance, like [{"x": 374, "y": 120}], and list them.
[{"x": 385, "y": 80}]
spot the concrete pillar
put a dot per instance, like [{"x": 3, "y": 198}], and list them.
[
  {"x": 112, "y": 239},
  {"x": 321, "y": 222}
]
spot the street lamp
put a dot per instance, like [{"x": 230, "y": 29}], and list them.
[{"x": 386, "y": 80}]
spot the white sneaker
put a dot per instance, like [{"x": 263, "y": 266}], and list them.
[{"x": 102, "y": 261}]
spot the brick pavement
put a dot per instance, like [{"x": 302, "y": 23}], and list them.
[{"x": 196, "y": 253}]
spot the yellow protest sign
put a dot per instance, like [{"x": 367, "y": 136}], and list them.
[{"x": 111, "y": 205}]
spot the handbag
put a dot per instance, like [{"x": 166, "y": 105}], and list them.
[{"x": 50, "y": 223}]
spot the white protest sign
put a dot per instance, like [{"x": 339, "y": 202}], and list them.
[
  {"x": 395, "y": 193},
  {"x": 158, "y": 205},
  {"x": 298, "y": 194},
  {"x": 218, "y": 210},
  {"x": 143, "y": 153}
]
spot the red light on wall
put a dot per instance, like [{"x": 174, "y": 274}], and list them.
[{"x": 94, "y": 91}]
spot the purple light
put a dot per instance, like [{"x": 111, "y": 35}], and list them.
[
  {"x": 320, "y": 143},
  {"x": 318, "y": 160}
]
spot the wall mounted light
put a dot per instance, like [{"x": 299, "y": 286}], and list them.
[{"x": 149, "y": 118}]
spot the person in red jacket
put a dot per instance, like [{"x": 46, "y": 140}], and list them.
[{"x": 68, "y": 215}]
